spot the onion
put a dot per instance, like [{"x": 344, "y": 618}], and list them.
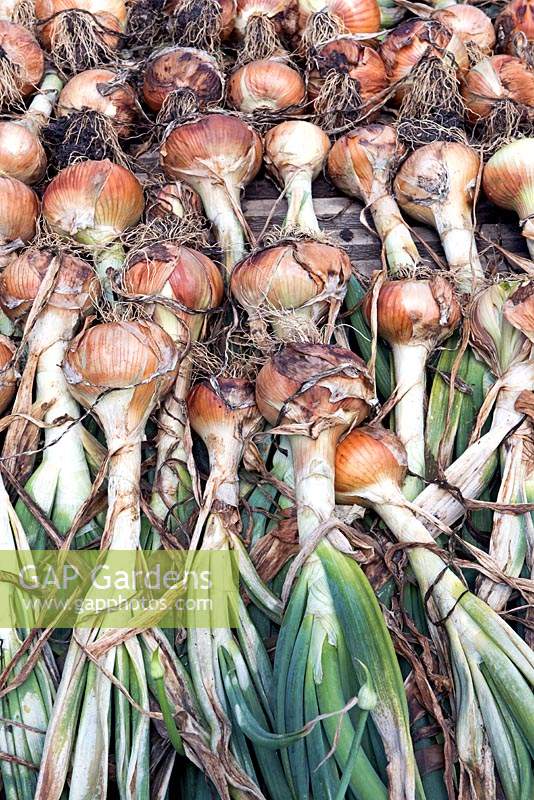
[
  {"x": 100, "y": 90},
  {"x": 436, "y": 185},
  {"x": 217, "y": 155},
  {"x": 294, "y": 287},
  {"x": 413, "y": 316},
  {"x": 22, "y": 155},
  {"x": 515, "y": 29},
  {"x": 262, "y": 25},
  {"x": 175, "y": 201},
  {"x": 81, "y": 34},
  {"x": 470, "y": 24},
  {"x": 500, "y": 88},
  {"x": 320, "y": 20},
  {"x": 508, "y": 181},
  {"x": 8, "y": 376},
  {"x": 94, "y": 202},
  {"x": 182, "y": 76},
  {"x": 269, "y": 85},
  {"x": 19, "y": 209},
  {"x": 295, "y": 152},
  {"x": 346, "y": 76},
  {"x": 193, "y": 284},
  {"x": 362, "y": 164},
  {"x": 492, "y": 666},
  {"x": 201, "y": 23},
  {"x": 21, "y": 63}
]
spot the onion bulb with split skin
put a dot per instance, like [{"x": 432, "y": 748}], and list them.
[
  {"x": 217, "y": 155},
  {"x": 102, "y": 91},
  {"x": 498, "y": 93},
  {"x": 61, "y": 483},
  {"x": 266, "y": 86},
  {"x": 362, "y": 164},
  {"x": 345, "y": 79},
  {"x": 295, "y": 287},
  {"x": 174, "y": 211},
  {"x": 21, "y": 64},
  {"x": 492, "y": 666},
  {"x": 93, "y": 203},
  {"x": 200, "y": 23},
  {"x": 508, "y": 181},
  {"x": 295, "y": 153},
  {"x": 413, "y": 316},
  {"x": 193, "y": 286},
  {"x": 436, "y": 185},
  {"x": 181, "y": 80},
  {"x": 321, "y": 20},
  {"x": 314, "y": 394},
  {"x": 81, "y": 34},
  {"x": 120, "y": 370},
  {"x": 470, "y": 24},
  {"x": 427, "y": 60},
  {"x": 262, "y": 27},
  {"x": 515, "y": 30}
]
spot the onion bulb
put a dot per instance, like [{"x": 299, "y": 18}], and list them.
[
  {"x": 201, "y": 23},
  {"x": 470, "y": 24},
  {"x": 181, "y": 79},
  {"x": 100, "y": 90},
  {"x": 413, "y": 316},
  {"x": 362, "y": 164},
  {"x": 8, "y": 376},
  {"x": 346, "y": 78},
  {"x": 21, "y": 63},
  {"x": 22, "y": 155},
  {"x": 81, "y": 34},
  {"x": 19, "y": 209},
  {"x": 269, "y": 85},
  {"x": 436, "y": 185},
  {"x": 498, "y": 88},
  {"x": 508, "y": 181},
  {"x": 320, "y": 20},
  {"x": 261, "y": 26},
  {"x": 515, "y": 29},
  {"x": 295, "y": 152},
  {"x": 217, "y": 155},
  {"x": 293, "y": 286}
]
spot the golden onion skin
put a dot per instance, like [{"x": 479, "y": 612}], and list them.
[
  {"x": 22, "y": 49},
  {"x": 19, "y": 209},
  {"x": 178, "y": 68},
  {"x": 265, "y": 85},
  {"x": 94, "y": 90}
]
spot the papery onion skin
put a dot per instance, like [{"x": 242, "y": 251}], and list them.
[
  {"x": 354, "y": 16},
  {"x": 519, "y": 309},
  {"x": 268, "y": 84},
  {"x": 19, "y": 209},
  {"x": 93, "y": 201},
  {"x": 415, "y": 311},
  {"x": 365, "y": 457},
  {"x": 281, "y": 395},
  {"x": 110, "y": 15},
  {"x": 22, "y": 49},
  {"x": 493, "y": 80},
  {"x": 357, "y": 157},
  {"x": 176, "y": 199},
  {"x": 93, "y": 90},
  {"x": 8, "y": 376},
  {"x": 515, "y": 27},
  {"x": 22, "y": 156},
  {"x": 230, "y": 403},
  {"x": 226, "y": 19},
  {"x": 122, "y": 355},
  {"x": 469, "y": 23},
  {"x": 181, "y": 273},
  {"x": 346, "y": 55},
  {"x": 406, "y": 45},
  {"x": 179, "y": 68},
  {"x": 281, "y": 13},
  {"x": 295, "y": 145},
  {"x": 508, "y": 181},
  {"x": 74, "y": 287}
]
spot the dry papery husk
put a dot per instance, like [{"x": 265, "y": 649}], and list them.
[
  {"x": 174, "y": 213},
  {"x": 346, "y": 80},
  {"x": 21, "y": 64},
  {"x": 200, "y": 23},
  {"x": 515, "y": 30},
  {"x": 80, "y": 40},
  {"x": 321, "y": 21},
  {"x": 262, "y": 26}
]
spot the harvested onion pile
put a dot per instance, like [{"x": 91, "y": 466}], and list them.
[{"x": 193, "y": 366}]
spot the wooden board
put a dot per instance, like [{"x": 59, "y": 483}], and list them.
[{"x": 340, "y": 218}]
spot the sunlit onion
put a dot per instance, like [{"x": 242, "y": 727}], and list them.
[
  {"x": 100, "y": 90},
  {"x": 268, "y": 85}
]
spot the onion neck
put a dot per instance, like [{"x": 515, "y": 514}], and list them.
[
  {"x": 111, "y": 258},
  {"x": 219, "y": 204},
  {"x": 300, "y": 211},
  {"x": 401, "y": 251},
  {"x": 40, "y": 109},
  {"x": 457, "y": 238},
  {"x": 314, "y": 470},
  {"x": 123, "y": 520},
  {"x": 410, "y": 374}
]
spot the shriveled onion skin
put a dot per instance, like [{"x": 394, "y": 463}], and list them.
[
  {"x": 19, "y": 209},
  {"x": 495, "y": 79},
  {"x": 92, "y": 90},
  {"x": 22, "y": 155},
  {"x": 470, "y": 24},
  {"x": 268, "y": 84},
  {"x": 345, "y": 55},
  {"x": 515, "y": 27},
  {"x": 354, "y": 16},
  {"x": 356, "y": 157},
  {"x": 111, "y": 15},
  {"x": 182, "y": 68},
  {"x": 229, "y": 404},
  {"x": 93, "y": 195},
  {"x": 215, "y": 145},
  {"x": 23, "y": 51}
]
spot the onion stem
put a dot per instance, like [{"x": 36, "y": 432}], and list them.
[
  {"x": 410, "y": 373},
  {"x": 457, "y": 238},
  {"x": 220, "y": 202},
  {"x": 401, "y": 252},
  {"x": 300, "y": 211}
]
